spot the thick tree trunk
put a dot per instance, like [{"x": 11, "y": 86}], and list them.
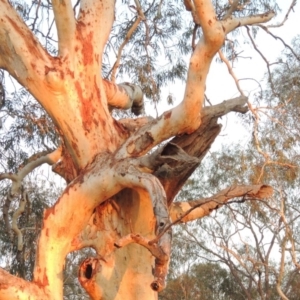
[{"x": 127, "y": 272}]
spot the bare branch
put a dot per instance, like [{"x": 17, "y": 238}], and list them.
[
  {"x": 182, "y": 212},
  {"x": 15, "y": 218},
  {"x": 263, "y": 57},
  {"x": 65, "y": 24},
  {"x": 266, "y": 29},
  {"x": 128, "y": 175},
  {"x": 36, "y": 161},
  {"x": 225, "y": 60},
  {"x": 293, "y": 3},
  {"x": 232, "y": 8},
  {"x": 17, "y": 179},
  {"x": 138, "y": 239},
  {"x": 124, "y": 96},
  {"x": 232, "y": 23},
  {"x": 128, "y": 36}
]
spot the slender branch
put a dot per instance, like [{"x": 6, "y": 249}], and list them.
[
  {"x": 33, "y": 163},
  {"x": 291, "y": 7},
  {"x": 264, "y": 58},
  {"x": 182, "y": 212},
  {"x": 15, "y": 218},
  {"x": 143, "y": 241},
  {"x": 17, "y": 179},
  {"x": 225, "y": 60},
  {"x": 233, "y": 7},
  {"x": 128, "y": 36},
  {"x": 160, "y": 251},
  {"x": 65, "y": 24},
  {"x": 266, "y": 29}
]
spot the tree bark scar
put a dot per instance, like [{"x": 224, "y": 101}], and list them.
[
  {"x": 144, "y": 141},
  {"x": 86, "y": 108},
  {"x": 87, "y": 44},
  {"x": 168, "y": 115}
]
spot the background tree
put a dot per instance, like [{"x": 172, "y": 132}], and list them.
[
  {"x": 121, "y": 176},
  {"x": 257, "y": 242}
]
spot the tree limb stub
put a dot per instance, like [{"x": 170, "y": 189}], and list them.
[
  {"x": 182, "y": 212},
  {"x": 124, "y": 96}
]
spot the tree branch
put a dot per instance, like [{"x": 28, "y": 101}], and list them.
[
  {"x": 182, "y": 212},
  {"x": 124, "y": 96},
  {"x": 186, "y": 117},
  {"x": 15, "y": 218},
  {"x": 232, "y": 8},
  {"x": 95, "y": 20},
  {"x": 36, "y": 161},
  {"x": 65, "y": 24},
  {"x": 232, "y": 23},
  {"x": 128, "y": 36},
  {"x": 25, "y": 58},
  {"x": 291, "y": 7},
  {"x": 17, "y": 179}
]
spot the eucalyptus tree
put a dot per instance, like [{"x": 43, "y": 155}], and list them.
[{"x": 122, "y": 175}]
